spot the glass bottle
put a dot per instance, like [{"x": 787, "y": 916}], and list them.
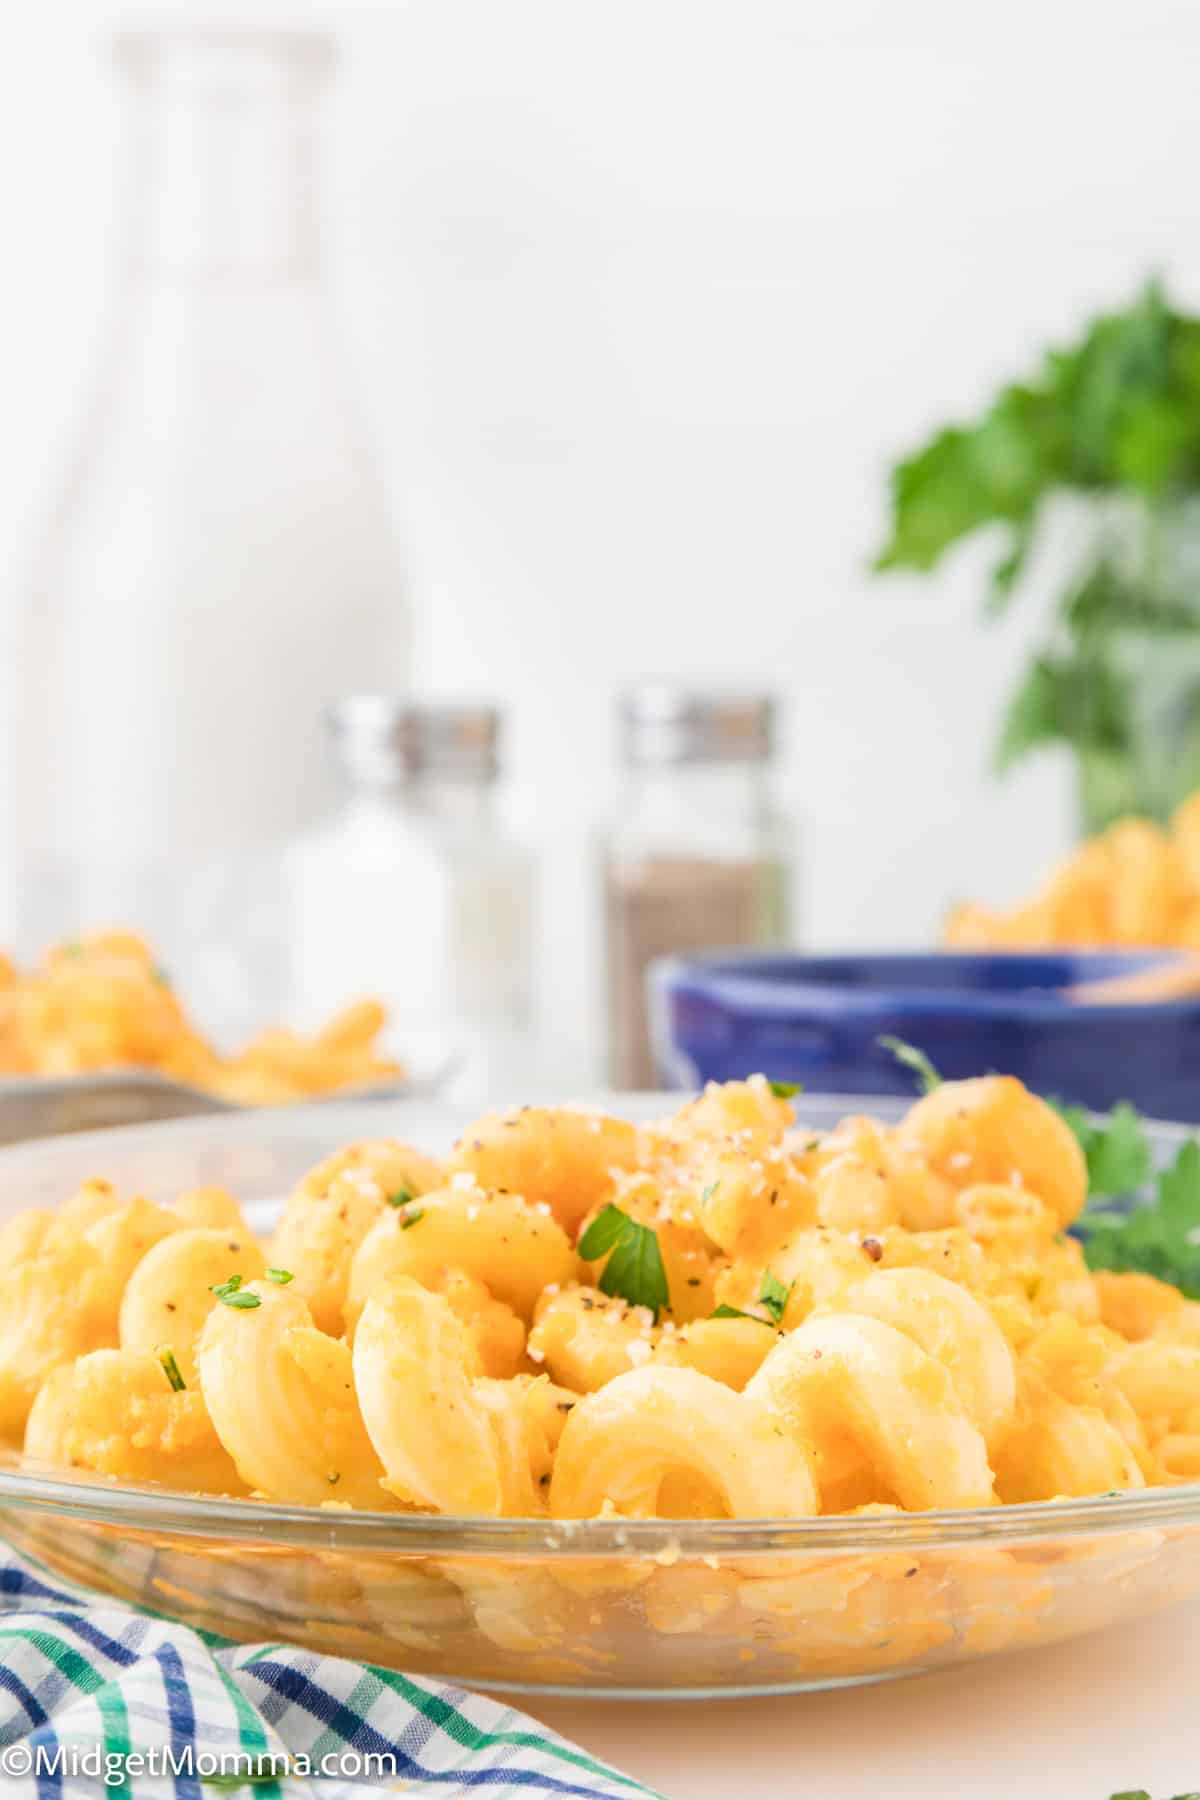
[
  {"x": 413, "y": 892},
  {"x": 219, "y": 565},
  {"x": 700, "y": 858}
]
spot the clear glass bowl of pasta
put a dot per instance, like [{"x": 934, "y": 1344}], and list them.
[{"x": 603, "y": 1605}]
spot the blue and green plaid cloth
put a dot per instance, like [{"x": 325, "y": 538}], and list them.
[{"x": 98, "y": 1698}]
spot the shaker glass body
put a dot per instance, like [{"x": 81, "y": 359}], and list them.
[{"x": 699, "y": 861}]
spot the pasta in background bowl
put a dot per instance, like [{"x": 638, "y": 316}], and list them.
[
  {"x": 413, "y": 1428},
  {"x": 104, "y": 1002}
]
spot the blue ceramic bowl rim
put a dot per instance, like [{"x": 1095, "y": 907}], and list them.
[{"x": 749, "y": 979}]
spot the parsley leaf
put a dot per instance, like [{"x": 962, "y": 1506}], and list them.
[
  {"x": 774, "y": 1295},
  {"x": 1117, "y": 1151},
  {"x": 229, "y": 1293},
  {"x": 735, "y": 1312},
  {"x": 280, "y": 1277},
  {"x": 786, "y": 1090},
  {"x": 634, "y": 1270},
  {"x": 603, "y": 1232},
  {"x": 166, "y": 1357},
  {"x": 1159, "y": 1237},
  {"x": 914, "y": 1059},
  {"x": 402, "y": 1200}
]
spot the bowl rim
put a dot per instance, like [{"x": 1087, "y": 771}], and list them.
[
  {"x": 168, "y": 1513},
  {"x": 739, "y": 979}
]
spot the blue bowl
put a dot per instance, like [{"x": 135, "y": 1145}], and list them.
[{"x": 818, "y": 1020}]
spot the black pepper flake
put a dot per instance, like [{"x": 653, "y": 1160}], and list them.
[
  {"x": 873, "y": 1248},
  {"x": 911, "y": 1571}
]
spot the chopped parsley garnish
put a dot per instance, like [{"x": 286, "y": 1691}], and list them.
[
  {"x": 402, "y": 1200},
  {"x": 914, "y": 1059},
  {"x": 634, "y": 1270},
  {"x": 1159, "y": 1237},
  {"x": 707, "y": 1193},
  {"x": 229, "y": 1293},
  {"x": 773, "y": 1296},
  {"x": 166, "y": 1357},
  {"x": 786, "y": 1090},
  {"x": 1118, "y": 1151},
  {"x": 280, "y": 1277}
]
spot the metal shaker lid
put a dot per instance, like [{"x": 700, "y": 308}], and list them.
[
  {"x": 663, "y": 723},
  {"x": 382, "y": 737}
]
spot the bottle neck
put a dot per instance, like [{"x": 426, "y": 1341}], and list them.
[{"x": 224, "y": 152}]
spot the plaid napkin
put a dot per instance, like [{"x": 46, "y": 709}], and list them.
[{"x": 97, "y": 1698}]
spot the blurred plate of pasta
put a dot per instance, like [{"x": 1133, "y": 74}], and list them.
[{"x": 96, "y": 1035}]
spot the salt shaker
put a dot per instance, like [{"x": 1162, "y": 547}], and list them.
[
  {"x": 700, "y": 858},
  {"x": 413, "y": 891}
]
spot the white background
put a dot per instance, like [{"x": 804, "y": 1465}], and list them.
[{"x": 644, "y": 296}]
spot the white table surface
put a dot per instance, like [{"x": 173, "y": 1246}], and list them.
[{"x": 1119, "y": 1709}]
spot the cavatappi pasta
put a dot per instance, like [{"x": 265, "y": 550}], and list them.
[
  {"x": 873, "y": 1317},
  {"x": 1137, "y": 883},
  {"x": 103, "y": 1001}
]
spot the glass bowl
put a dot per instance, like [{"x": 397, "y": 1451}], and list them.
[{"x": 655, "y": 1609}]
